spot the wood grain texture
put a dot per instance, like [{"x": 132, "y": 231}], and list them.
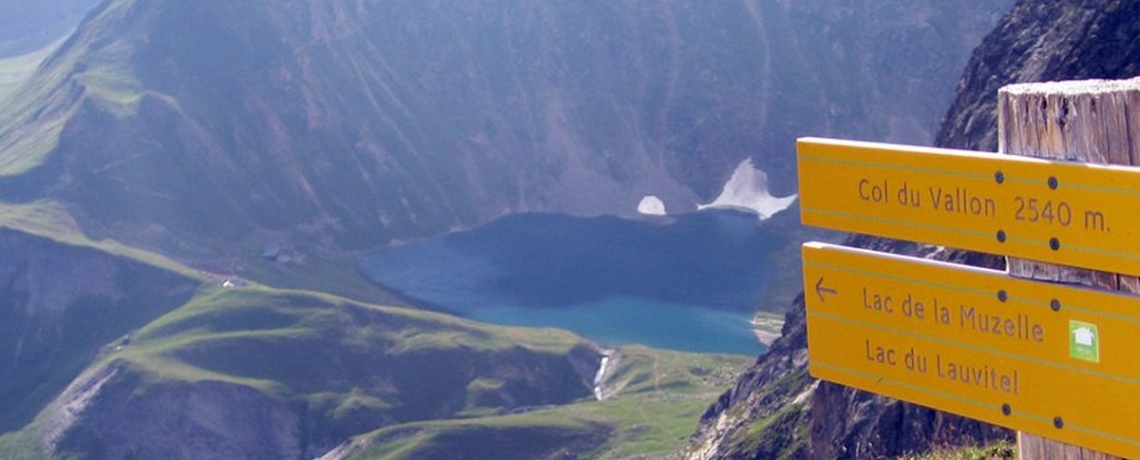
[{"x": 1091, "y": 121}]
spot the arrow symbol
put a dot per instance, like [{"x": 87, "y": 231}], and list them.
[{"x": 820, "y": 290}]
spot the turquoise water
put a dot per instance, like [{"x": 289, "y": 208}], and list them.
[
  {"x": 687, "y": 283},
  {"x": 622, "y": 320}
]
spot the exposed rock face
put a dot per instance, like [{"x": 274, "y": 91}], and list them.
[
  {"x": 1041, "y": 41},
  {"x": 851, "y": 424},
  {"x": 105, "y": 416},
  {"x": 1037, "y": 41},
  {"x": 774, "y": 393},
  {"x": 59, "y": 305},
  {"x": 777, "y": 410},
  {"x": 186, "y": 126}
]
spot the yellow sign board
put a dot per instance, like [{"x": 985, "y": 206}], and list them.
[
  {"x": 1073, "y": 214},
  {"x": 1058, "y": 361}
]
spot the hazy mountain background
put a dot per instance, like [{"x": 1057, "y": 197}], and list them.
[
  {"x": 28, "y": 25},
  {"x": 199, "y": 128},
  {"x": 169, "y": 164}
]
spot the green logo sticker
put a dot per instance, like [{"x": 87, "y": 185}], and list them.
[{"x": 1084, "y": 341}]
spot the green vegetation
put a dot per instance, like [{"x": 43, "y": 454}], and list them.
[
  {"x": 661, "y": 399},
  {"x": 522, "y": 437},
  {"x": 14, "y": 70},
  {"x": 49, "y": 219},
  {"x": 1002, "y": 450},
  {"x": 119, "y": 92},
  {"x": 22, "y": 445},
  {"x": 658, "y": 398},
  {"x": 332, "y": 273},
  {"x": 447, "y": 383},
  {"x": 772, "y": 433},
  {"x": 776, "y": 430},
  {"x": 464, "y": 375},
  {"x": 84, "y": 298},
  {"x": 28, "y": 135}
]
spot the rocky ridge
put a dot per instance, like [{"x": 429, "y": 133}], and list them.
[
  {"x": 60, "y": 305},
  {"x": 766, "y": 417}
]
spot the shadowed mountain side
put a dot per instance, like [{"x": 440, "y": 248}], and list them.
[
  {"x": 1036, "y": 41},
  {"x": 59, "y": 306},
  {"x": 190, "y": 126},
  {"x": 1041, "y": 41},
  {"x": 777, "y": 411}
]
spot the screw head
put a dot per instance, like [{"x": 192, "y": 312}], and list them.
[
  {"x": 1006, "y": 410},
  {"x": 1055, "y": 305},
  {"x": 1002, "y": 295},
  {"x": 999, "y": 177},
  {"x": 1001, "y": 236},
  {"x": 1053, "y": 182},
  {"x": 1054, "y": 244},
  {"x": 1058, "y": 422}
]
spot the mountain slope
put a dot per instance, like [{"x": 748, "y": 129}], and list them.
[
  {"x": 252, "y": 372},
  {"x": 115, "y": 351},
  {"x": 1041, "y": 41},
  {"x": 651, "y": 399},
  {"x": 27, "y": 25},
  {"x": 61, "y": 301},
  {"x": 1036, "y": 41},
  {"x": 201, "y": 127},
  {"x": 301, "y": 373}
]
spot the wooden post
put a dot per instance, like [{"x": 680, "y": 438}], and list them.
[{"x": 1093, "y": 121}]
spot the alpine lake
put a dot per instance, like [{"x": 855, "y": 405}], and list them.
[{"x": 688, "y": 282}]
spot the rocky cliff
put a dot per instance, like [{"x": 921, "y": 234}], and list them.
[
  {"x": 776, "y": 411},
  {"x": 59, "y": 306},
  {"x": 1041, "y": 41}
]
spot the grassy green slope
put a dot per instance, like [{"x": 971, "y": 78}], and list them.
[
  {"x": 14, "y": 70},
  {"x": 436, "y": 382},
  {"x": 333, "y": 345},
  {"x": 432, "y": 383},
  {"x": 343, "y": 368},
  {"x": 353, "y": 367},
  {"x": 48, "y": 219},
  {"x": 63, "y": 297},
  {"x": 655, "y": 399},
  {"x": 522, "y": 437}
]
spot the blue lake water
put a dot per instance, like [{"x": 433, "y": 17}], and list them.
[{"x": 689, "y": 282}]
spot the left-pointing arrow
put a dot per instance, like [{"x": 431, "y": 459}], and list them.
[{"x": 820, "y": 290}]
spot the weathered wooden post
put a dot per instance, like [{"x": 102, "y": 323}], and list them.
[
  {"x": 1022, "y": 349},
  {"x": 1093, "y": 121}
]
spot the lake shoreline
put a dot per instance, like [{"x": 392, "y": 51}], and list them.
[{"x": 689, "y": 283}]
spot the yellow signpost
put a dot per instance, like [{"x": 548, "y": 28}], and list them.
[
  {"x": 1075, "y": 214},
  {"x": 1049, "y": 359}
]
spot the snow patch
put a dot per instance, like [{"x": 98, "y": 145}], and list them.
[
  {"x": 651, "y": 205},
  {"x": 609, "y": 359},
  {"x": 598, "y": 378},
  {"x": 748, "y": 189}
]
